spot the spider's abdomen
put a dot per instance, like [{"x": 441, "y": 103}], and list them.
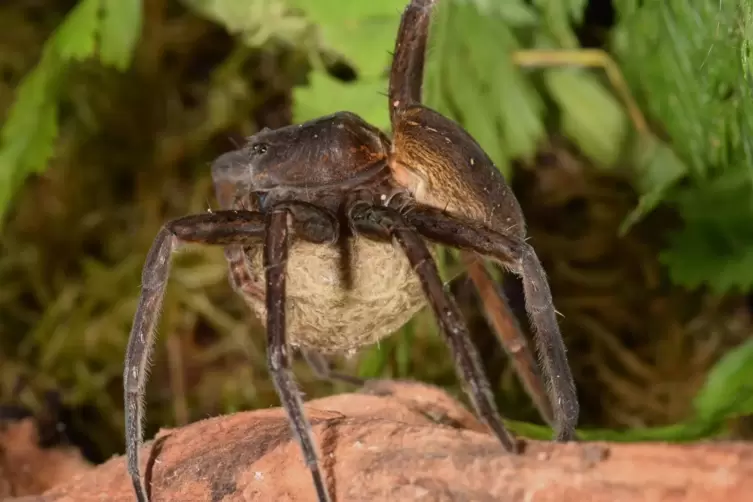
[
  {"x": 444, "y": 167},
  {"x": 324, "y": 314}
]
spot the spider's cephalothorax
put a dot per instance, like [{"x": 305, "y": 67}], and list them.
[{"x": 326, "y": 227}]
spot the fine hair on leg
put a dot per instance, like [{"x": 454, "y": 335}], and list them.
[
  {"x": 220, "y": 228},
  {"x": 385, "y": 223},
  {"x": 518, "y": 256},
  {"x": 278, "y": 352}
]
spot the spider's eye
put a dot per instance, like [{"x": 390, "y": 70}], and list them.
[{"x": 259, "y": 149}]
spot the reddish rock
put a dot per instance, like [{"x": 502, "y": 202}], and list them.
[
  {"x": 408, "y": 442},
  {"x": 27, "y": 469}
]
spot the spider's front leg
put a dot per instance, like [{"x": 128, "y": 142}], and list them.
[
  {"x": 517, "y": 255},
  {"x": 278, "y": 352},
  {"x": 221, "y": 228},
  {"x": 388, "y": 224},
  {"x": 233, "y": 229}
]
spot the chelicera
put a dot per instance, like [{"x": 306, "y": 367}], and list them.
[{"x": 329, "y": 229}]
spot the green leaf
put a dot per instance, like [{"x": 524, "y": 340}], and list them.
[
  {"x": 657, "y": 165},
  {"x": 236, "y": 17},
  {"x": 506, "y": 98},
  {"x": 76, "y": 37},
  {"x": 728, "y": 391},
  {"x": 403, "y": 350},
  {"x": 657, "y": 170},
  {"x": 683, "y": 432},
  {"x": 472, "y": 79},
  {"x": 688, "y": 64},
  {"x": 557, "y": 16},
  {"x": 373, "y": 361},
  {"x": 513, "y": 12},
  {"x": 715, "y": 247},
  {"x": 577, "y": 9},
  {"x": 324, "y": 95},
  {"x": 29, "y": 132},
  {"x": 256, "y": 22},
  {"x": 704, "y": 255},
  {"x": 683, "y": 60},
  {"x": 28, "y": 136},
  {"x": 119, "y": 32},
  {"x": 361, "y": 32},
  {"x": 591, "y": 116}
]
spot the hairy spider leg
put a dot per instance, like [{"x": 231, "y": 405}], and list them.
[
  {"x": 519, "y": 257},
  {"x": 409, "y": 59},
  {"x": 504, "y": 323},
  {"x": 222, "y": 228},
  {"x": 278, "y": 357},
  {"x": 232, "y": 229},
  {"x": 387, "y": 224}
]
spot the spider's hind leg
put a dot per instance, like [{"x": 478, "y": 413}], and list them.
[
  {"x": 386, "y": 224},
  {"x": 517, "y": 255},
  {"x": 504, "y": 324}
]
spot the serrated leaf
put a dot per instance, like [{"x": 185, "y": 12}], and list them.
[
  {"x": 591, "y": 116},
  {"x": 472, "y": 79},
  {"x": 76, "y": 37},
  {"x": 256, "y": 22},
  {"x": 27, "y": 136},
  {"x": 657, "y": 170},
  {"x": 520, "y": 111},
  {"x": 362, "y": 32},
  {"x": 683, "y": 59},
  {"x": 324, "y": 95},
  {"x": 119, "y": 32},
  {"x": 728, "y": 391},
  {"x": 715, "y": 247},
  {"x": 698, "y": 255},
  {"x": 510, "y": 100},
  {"x": 28, "y": 154},
  {"x": 466, "y": 86}
]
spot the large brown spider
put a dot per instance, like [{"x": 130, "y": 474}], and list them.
[{"x": 336, "y": 219}]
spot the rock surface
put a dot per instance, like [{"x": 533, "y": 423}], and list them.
[
  {"x": 398, "y": 441},
  {"x": 27, "y": 469}
]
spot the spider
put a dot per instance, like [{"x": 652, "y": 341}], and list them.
[{"x": 329, "y": 229}]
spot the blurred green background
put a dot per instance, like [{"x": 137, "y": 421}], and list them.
[{"x": 624, "y": 128}]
